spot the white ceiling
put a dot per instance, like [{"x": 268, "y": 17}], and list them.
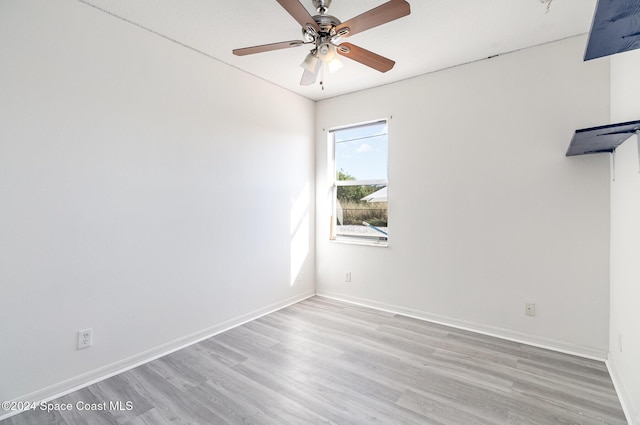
[{"x": 437, "y": 34}]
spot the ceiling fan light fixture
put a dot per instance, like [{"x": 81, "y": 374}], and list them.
[
  {"x": 335, "y": 65},
  {"x": 309, "y": 77},
  {"x": 310, "y": 62},
  {"x": 327, "y": 52}
]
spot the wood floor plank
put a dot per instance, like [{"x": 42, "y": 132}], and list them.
[
  {"x": 150, "y": 417},
  {"x": 322, "y": 361},
  {"x": 83, "y": 412},
  {"x": 35, "y": 417},
  {"x": 446, "y": 411},
  {"x": 116, "y": 389}
]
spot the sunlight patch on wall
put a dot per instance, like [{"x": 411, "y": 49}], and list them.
[{"x": 299, "y": 227}]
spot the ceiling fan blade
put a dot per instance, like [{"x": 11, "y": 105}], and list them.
[
  {"x": 365, "y": 57},
  {"x": 382, "y": 14},
  {"x": 267, "y": 47},
  {"x": 299, "y": 13}
]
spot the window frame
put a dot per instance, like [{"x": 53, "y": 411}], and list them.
[{"x": 381, "y": 240}]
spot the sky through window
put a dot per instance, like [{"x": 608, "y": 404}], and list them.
[{"x": 362, "y": 151}]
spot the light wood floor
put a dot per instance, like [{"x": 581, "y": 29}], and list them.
[{"x": 325, "y": 362}]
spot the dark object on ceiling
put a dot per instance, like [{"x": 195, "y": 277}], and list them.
[
  {"x": 605, "y": 138},
  {"x": 615, "y": 28}
]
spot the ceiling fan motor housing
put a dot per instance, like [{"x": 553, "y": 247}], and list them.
[{"x": 327, "y": 23}]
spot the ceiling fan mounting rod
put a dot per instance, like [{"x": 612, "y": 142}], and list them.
[{"x": 322, "y": 6}]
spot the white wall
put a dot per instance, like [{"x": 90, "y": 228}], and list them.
[
  {"x": 486, "y": 212},
  {"x": 148, "y": 192},
  {"x": 624, "y": 361}
]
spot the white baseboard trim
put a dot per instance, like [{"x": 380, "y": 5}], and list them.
[
  {"x": 546, "y": 343},
  {"x": 625, "y": 400},
  {"x": 81, "y": 381}
]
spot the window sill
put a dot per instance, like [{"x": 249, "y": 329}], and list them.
[{"x": 353, "y": 241}]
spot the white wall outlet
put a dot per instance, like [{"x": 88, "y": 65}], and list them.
[
  {"x": 347, "y": 277},
  {"x": 530, "y": 309},
  {"x": 85, "y": 338}
]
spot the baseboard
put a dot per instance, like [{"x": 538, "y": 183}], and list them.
[
  {"x": 625, "y": 400},
  {"x": 81, "y": 381},
  {"x": 547, "y": 343}
]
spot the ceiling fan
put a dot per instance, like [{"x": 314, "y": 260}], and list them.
[{"x": 324, "y": 33}]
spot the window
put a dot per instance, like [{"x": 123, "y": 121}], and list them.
[{"x": 360, "y": 183}]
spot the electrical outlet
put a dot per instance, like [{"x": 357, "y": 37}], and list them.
[
  {"x": 347, "y": 277},
  {"x": 530, "y": 309},
  {"x": 85, "y": 338}
]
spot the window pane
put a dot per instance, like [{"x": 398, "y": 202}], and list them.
[
  {"x": 361, "y": 211},
  {"x": 361, "y": 152},
  {"x": 361, "y": 183}
]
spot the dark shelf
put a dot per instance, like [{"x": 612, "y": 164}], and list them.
[
  {"x": 615, "y": 28},
  {"x": 605, "y": 138}
]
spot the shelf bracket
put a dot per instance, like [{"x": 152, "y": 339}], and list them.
[
  {"x": 613, "y": 165},
  {"x": 638, "y": 141}
]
